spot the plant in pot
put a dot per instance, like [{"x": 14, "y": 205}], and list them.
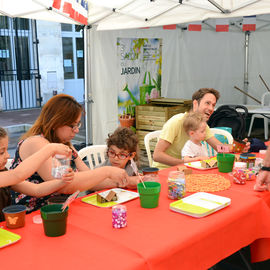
[{"x": 127, "y": 119}]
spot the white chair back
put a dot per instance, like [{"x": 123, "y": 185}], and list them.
[
  {"x": 210, "y": 150},
  {"x": 154, "y": 135},
  {"x": 95, "y": 154},
  {"x": 265, "y": 100}
]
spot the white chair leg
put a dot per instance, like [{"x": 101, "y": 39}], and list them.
[
  {"x": 250, "y": 126},
  {"x": 265, "y": 128}
]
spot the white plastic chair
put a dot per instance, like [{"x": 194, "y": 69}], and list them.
[
  {"x": 95, "y": 154},
  {"x": 8, "y": 164},
  {"x": 154, "y": 135},
  {"x": 265, "y": 103},
  {"x": 210, "y": 150}
]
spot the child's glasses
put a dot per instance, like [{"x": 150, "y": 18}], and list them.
[{"x": 122, "y": 156}]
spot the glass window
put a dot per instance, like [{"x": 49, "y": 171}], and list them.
[
  {"x": 22, "y": 24},
  {"x": 68, "y": 58},
  {"x": 80, "y": 58},
  {"x": 66, "y": 27},
  {"x": 22, "y": 57},
  {"x": 3, "y": 22},
  {"x": 5, "y": 59}
]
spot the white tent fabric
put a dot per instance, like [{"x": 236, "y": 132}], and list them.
[
  {"x": 34, "y": 9},
  {"x": 190, "y": 60},
  {"x": 126, "y": 14}
]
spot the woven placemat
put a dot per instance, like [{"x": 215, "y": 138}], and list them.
[{"x": 206, "y": 183}]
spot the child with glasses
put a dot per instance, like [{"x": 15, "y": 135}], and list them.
[
  {"x": 122, "y": 146},
  {"x": 195, "y": 127}
]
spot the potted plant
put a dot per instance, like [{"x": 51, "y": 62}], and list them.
[{"x": 127, "y": 119}]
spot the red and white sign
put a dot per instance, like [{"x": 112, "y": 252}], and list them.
[
  {"x": 77, "y": 10},
  {"x": 249, "y": 23}
]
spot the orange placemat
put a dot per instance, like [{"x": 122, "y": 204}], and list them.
[{"x": 206, "y": 183}]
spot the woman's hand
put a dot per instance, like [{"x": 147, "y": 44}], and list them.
[
  {"x": 262, "y": 181},
  {"x": 68, "y": 176},
  {"x": 118, "y": 175},
  {"x": 132, "y": 182}
]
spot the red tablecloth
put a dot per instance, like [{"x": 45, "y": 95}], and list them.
[{"x": 154, "y": 238}]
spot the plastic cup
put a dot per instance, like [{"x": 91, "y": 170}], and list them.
[
  {"x": 225, "y": 162},
  {"x": 57, "y": 199},
  {"x": 150, "y": 170},
  {"x": 54, "y": 220},
  {"x": 149, "y": 196},
  {"x": 15, "y": 216}
]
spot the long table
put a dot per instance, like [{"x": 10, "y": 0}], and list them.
[{"x": 154, "y": 238}]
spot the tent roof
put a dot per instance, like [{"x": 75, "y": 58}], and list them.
[
  {"x": 124, "y": 14},
  {"x": 33, "y": 9}
]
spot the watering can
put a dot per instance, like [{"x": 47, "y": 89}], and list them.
[
  {"x": 136, "y": 102},
  {"x": 145, "y": 88}
]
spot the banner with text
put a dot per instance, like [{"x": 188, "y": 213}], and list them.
[{"x": 139, "y": 67}]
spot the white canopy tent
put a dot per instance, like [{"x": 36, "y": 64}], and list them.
[{"x": 191, "y": 60}]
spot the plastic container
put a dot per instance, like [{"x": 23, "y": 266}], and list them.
[
  {"x": 60, "y": 164},
  {"x": 238, "y": 173},
  {"x": 151, "y": 178},
  {"x": 149, "y": 195},
  {"x": 249, "y": 159},
  {"x": 54, "y": 220},
  {"x": 14, "y": 216},
  {"x": 150, "y": 170},
  {"x": 225, "y": 162},
  {"x": 176, "y": 185},
  {"x": 119, "y": 216},
  {"x": 238, "y": 146}
]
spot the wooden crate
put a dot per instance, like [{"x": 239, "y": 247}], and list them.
[
  {"x": 153, "y": 117},
  {"x": 150, "y": 117}
]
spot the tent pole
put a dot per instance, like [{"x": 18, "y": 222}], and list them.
[
  {"x": 87, "y": 90},
  {"x": 247, "y": 33}
]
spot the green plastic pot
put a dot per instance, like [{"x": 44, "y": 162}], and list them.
[
  {"x": 54, "y": 220},
  {"x": 225, "y": 162},
  {"x": 149, "y": 196}
]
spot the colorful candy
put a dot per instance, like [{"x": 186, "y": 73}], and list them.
[
  {"x": 240, "y": 176},
  {"x": 176, "y": 185},
  {"x": 119, "y": 216}
]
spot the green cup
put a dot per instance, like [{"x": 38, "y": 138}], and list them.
[
  {"x": 149, "y": 195},
  {"x": 225, "y": 162},
  {"x": 54, "y": 220}
]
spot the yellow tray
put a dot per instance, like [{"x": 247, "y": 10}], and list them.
[
  {"x": 123, "y": 195},
  {"x": 7, "y": 238},
  {"x": 200, "y": 204}
]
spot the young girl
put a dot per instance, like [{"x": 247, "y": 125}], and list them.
[
  {"x": 26, "y": 168},
  {"x": 122, "y": 146},
  {"x": 195, "y": 127}
]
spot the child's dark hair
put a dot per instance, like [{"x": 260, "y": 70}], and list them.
[
  {"x": 124, "y": 138},
  {"x": 3, "y": 133}
]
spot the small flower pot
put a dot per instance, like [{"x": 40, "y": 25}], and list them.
[{"x": 127, "y": 122}]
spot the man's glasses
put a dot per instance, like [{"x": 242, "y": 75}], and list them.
[
  {"x": 77, "y": 126},
  {"x": 121, "y": 156}
]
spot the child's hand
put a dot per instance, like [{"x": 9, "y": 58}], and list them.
[
  {"x": 59, "y": 148},
  {"x": 68, "y": 176},
  {"x": 247, "y": 146}
]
